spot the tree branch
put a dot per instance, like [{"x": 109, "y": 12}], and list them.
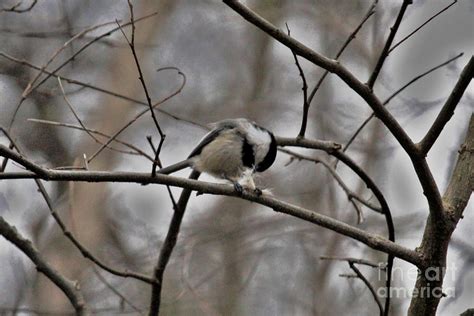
[
  {"x": 131, "y": 44},
  {"x": 438, "y": 231},
  {"x": 388, "y": 43},
  {"x": 332, "y": 66},
  {"x": 96, "y": 88},
  {"x": 68, "y": 287},
  {"x": 422, "y": 170},
  {"x": 394, "y": 94},
  {"x": 421, "y": 26},
  {"x": 447, "y": 111},
  {"x": 369, "y": 286},
  {"x": 351, "y": 195},
  {"x": 372, "y": 240},
  {"x": 352, "y": 36},
  {"x": 168, "y": 246},
  {"x": 68, "y": 234}
]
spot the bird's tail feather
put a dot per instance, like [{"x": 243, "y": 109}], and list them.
[{"x": 175, "y": 167}]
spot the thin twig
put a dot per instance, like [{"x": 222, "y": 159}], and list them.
[
  {"x": 421, "y": 26},
  {"x": 393, "y": 95},
  {"x": 351, "y": 195},
  {"x": 351, "y": 37},
  {"x": 71, "y": 107},
  {"x": 115, "y": 291},
  {"x": 99, "y": 89},
  {"x": 381, "y": 266},
  {"x": 84, "y": 251},
  {"x": 29, "y": 87},
  {"x": 369, "y": 286},
  {"x": 305, "y": 91},
  {"x": 135, "y": 150},
  {"x": 120, "y": 130},
  {"x": 92, "y": 41},
  {"x": 170, "y": 193},
  {"x": 131, "y": 44},
  {"x": 385, "y": 52}
]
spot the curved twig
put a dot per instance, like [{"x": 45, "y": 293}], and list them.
[{"x": 120, "y": 130}]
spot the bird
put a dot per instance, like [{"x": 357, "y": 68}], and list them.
[{"x": 234, "y": 150}]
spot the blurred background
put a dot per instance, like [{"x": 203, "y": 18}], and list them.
[{"x": 232, "y": 257}]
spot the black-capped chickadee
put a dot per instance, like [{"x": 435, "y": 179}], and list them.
[{"x": 233, "y": 150}]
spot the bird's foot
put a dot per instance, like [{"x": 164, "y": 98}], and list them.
[{"x": 238, "y": 188}]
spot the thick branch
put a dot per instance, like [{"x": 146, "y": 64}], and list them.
[
  {"x": 332, "y": 66},
  {"x": 168, "y": 246},
  {"x": 438, "y": 231},
  {"x": 372, "y": 240},
  {"x": 448, "y": 108},
  {"x": 430, "y": 188},
  {"x": 461, "y": 185},
  {"x": 69, "y": 288}
]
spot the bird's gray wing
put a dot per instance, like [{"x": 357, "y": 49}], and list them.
[{"x": 209, "y": 137}]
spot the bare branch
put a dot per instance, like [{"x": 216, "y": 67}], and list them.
[
  {"x": 372, "y": 240},
  {"x": 327, "y": 146},
  {"x": 120, "y": 130},
  {"x": 369, "y": 286},
  {"x": 420, "y": 165},
  {"x": 305, "y": 91},
  {"x": 352, "y": 36},
  {"x": 394, "y": 94},
  {"x": 421, "y": 26},
  {"x": 71, "y": 107},
  {"x": 68, "y": 287},
  {"x": 332, "y": 66},
  {"x": 96, "y": 88},
  {"x": 447, "y": 111},
  {"x": 355, "y": 260},
  {"x": 85, "y": 46},
  {"x": 461, "y": 184},
  {"x": 168, "y": 246},
  {"x": 388, "y": 43},
  {"x": 135, "y": 150},
  {"x": 131, "y": 44},
  {"x": 83, "y": 250},
  {"x": 29, "y": 89},
  {"x": 438, "y": 230},
  {"x": 351, "y": 195}
]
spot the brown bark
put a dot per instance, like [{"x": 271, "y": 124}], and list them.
[{"x": 437, "y": 234}]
